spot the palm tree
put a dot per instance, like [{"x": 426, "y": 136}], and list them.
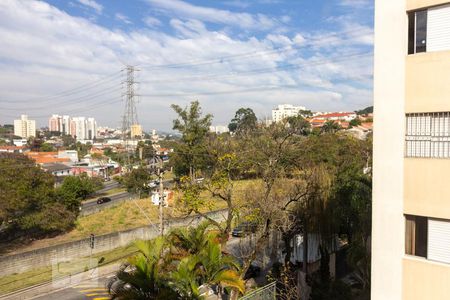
[
  {"x": 330, "y": 127},
  {"x": 184, "y": 278},
  {"x": 191, "y": 240},
  {"x": 143, "y": 277},
  {"x": 216, "y": 268}
]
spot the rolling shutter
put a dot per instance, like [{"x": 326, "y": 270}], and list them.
[
  {"x": 438, "y": 28},
  {"x": 439, "y": 240}
]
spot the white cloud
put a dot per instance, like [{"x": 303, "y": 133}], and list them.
[
  {"x": 237, "y": 3},
  {"x": 355, "y": 3},
  {"x": 92, "y": 4},
  {"x": 45, "y": 50},
  {"x": 184, "y": 10},
  {"x": 152, "y": 21},
  {"x": 122, "y": 18}
]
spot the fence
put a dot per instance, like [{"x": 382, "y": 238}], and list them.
[
  {"x": 267, "y": 292},
  {"x": 21, "y": 262}
]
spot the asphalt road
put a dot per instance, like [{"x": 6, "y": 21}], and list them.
[
  {"x": 108, "y": 185},
  {"x": 124, "y": 195},
  {"x": 114, "y": 198},
  {"x": 93, "y": 290}
]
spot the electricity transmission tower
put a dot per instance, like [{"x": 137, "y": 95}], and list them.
[{"x": 130, "y": 120}]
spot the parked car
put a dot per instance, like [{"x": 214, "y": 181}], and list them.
[
  {"x": 153, "y": 184},
  {"x": 102, "y": 200},
  {"x": 244, "y": 228}
]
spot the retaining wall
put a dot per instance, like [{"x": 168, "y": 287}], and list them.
[{"x": 21, "y": 262}]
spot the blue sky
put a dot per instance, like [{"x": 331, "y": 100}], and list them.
[{"x": 65, "y": 57}]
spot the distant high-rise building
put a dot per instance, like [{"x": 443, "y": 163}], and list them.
[
  {"x": 54, "y": 123},
  {"x": 285, "y": 110},
  {"x": 78, "y": 125},
  {"x": 91, "y": 129},
  {"x": 65, "y": 125},
  {"x": 60, "y": 124},
  {"x": 25, "y": 128},
  {"x": 83, "y": 128}
]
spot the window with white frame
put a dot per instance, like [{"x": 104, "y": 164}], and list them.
[
  {"x": 428, "y": 135},
  {"x": 429, "y": 29},
  {"x": 428, "y": 238}
]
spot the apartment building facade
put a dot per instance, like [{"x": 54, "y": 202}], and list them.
[
  {"x": 411, "y": 198},
  {"x": 83, "y": 128},
  {"x": 57, "y": 123},
  {"x": 24, "y": 127},
  {"x": 285, "y": 110}
]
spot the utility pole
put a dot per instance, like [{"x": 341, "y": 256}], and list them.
[
  {"x": 130, "y": 114},
  {"x": 161, "y": 201}
]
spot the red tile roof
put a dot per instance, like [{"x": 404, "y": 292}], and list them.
[
  {"x": 336, "y": 115},
  {"x": 12, "y": 147}
]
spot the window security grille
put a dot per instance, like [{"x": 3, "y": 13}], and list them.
[{"x": 428, "y": 135}]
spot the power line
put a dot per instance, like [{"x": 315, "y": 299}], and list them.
[
  {"x": 84, "y": 109},
  {"x": 252, "y": 53},
  {"x": 72, "y": 101},
  {"x": 83, "y": 87},
  {"x": 263, "y": 70}
]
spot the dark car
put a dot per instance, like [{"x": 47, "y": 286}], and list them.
[
  {"x": 244, "y": 228},
  {"x": 102, "y": 200}
]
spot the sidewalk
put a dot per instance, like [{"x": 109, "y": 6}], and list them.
[{"x": 63, "y": 283}]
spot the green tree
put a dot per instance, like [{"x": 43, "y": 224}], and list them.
[
  {"x": 137, "y": 181},
  {"x": 82, "y": 149},
  {"x": 162, "y": 271},
  {"x": 305, "y": 113},
  {"x": 46, "y": 147},
  {"x": 244, "y": 120},
  {"x": 355, "y": 122},
  {"x": 194, "y": 128},
  {"x": 147, "y": 277},
  {"x": 330, "y": 127},
  {"x": 147, "y": 150},
  {"x": 223, "y": 170},
  {"x": 299, "y": 125},
  {"x": 68, "y": 140},
  {"x": 190, "y": 240},
  {"x": 27, "y": 200},
  {"x": 74, "y": 189}
]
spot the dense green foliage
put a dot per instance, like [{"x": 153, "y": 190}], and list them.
[
  {"x": 171, "y": 268},
  {"x": 137, "y": 181},
  {"x": 244, "y": 120},
  {"x": 309, "y": 182},
  {"x": 147, "y": 151},
  {"x": 46, "y": 147},
  {"x": 27, "y": 201},
  {"x": 189, "y": 154},
  {"x": 355, "y": 122},
  {"x": 367, "y": 110}
]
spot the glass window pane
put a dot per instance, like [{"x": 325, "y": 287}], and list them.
[{"x": 421, "y": 31}]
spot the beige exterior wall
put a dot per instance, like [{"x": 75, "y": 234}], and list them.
[
  {"x": 423, "y": 279},
  {"x": 427, "y": 187},
  {"x": 427, "y": 82},
  {"x": 389, "y": 99},
  {"x": 418, "y": 186},
  {"x": 416, "y": 4}
]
